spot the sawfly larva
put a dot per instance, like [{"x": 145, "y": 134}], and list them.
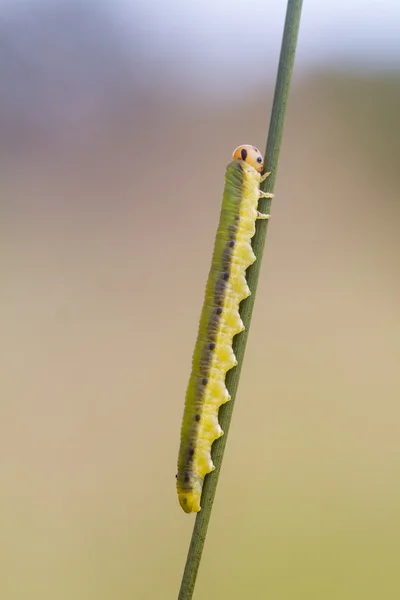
[{"x": 219, "y": 322}]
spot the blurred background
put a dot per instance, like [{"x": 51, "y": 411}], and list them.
[{"x": 116, "y": 122}]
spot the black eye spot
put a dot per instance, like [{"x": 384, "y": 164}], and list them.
[
  {"x": 204, "y": 381},
  {"x": 231, "y": 244},
  {"x": 226, "y": 276},
  {"x": 259, "y": 159},
  {"x": 219, "y": 311},
  {"x": 243, "y": 153},
  {"x": 197, "y": 418},
  {"x": 212, "y": 346}
]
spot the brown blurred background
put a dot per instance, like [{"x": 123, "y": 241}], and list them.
[{"x": 112, "y": 167}]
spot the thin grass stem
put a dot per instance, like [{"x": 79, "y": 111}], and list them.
[{"x": 278, "y": 112}]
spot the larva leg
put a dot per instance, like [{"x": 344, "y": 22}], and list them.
[
  {"x": 266, "y": 195},
  {"x": 264, "y": 177},
  {"x": 262, "y": 216}
]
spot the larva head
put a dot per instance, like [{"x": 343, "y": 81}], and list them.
[{"x": 250, "y": 155}]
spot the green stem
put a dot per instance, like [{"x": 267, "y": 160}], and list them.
[{"x": 284, "y": 76}]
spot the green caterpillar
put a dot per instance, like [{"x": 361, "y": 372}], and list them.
[{"x": 219, "y": 322}]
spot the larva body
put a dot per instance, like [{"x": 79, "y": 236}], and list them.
[{"x": 219, "y": 323}]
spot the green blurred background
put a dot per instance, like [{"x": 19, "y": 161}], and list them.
[{"x": 115, "y": 129}]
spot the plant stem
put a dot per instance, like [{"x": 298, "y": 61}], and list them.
[{"x": 284, "y": 76}]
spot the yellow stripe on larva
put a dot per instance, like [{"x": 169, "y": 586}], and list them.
[{"x": 219, "y": 322}]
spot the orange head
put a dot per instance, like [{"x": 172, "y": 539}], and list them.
[{"x": 250, "y": 155}]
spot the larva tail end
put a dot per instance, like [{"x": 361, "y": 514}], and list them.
[{"x": 189, "y": 501}]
